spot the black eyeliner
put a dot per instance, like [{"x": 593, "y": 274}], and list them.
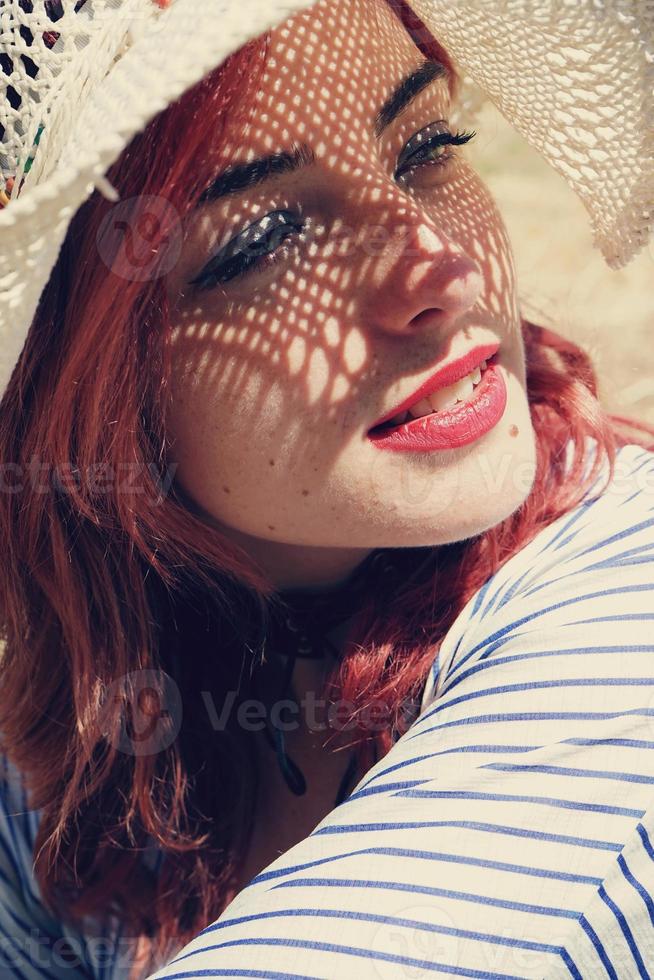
[
  {"x": 422, "y": 141},
  {"x": 248, "y": 247}
]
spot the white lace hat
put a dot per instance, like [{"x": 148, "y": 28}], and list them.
[{"x": 80, "y": 79}]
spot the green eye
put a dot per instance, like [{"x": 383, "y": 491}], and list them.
[{"x": 421, "y": 147}]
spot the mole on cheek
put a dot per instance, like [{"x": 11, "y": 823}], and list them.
[
  {"x": 226, "y": 489},
  {"x": 271, "y": 527},
  {"x": 514, "y": 430},
  {"x": 305, "y": 493},
  {"x": 271, "y": 462}
]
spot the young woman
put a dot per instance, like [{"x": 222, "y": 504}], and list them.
[{"x": 224, "y": 489}]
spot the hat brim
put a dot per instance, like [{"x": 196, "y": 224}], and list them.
[{"x": 175, "y": 48}]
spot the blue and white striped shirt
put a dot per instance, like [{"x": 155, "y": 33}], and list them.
[{"x": 510, "y": 831}]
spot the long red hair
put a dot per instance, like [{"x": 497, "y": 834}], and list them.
[{"x": 106, "y": 582}]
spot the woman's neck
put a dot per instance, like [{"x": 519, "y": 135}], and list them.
[{"x": 293, "y": 566}]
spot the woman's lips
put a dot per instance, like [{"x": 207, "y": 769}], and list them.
[
  {"x": 452, "y": 427},
  {"x": 443, "y": 378}
]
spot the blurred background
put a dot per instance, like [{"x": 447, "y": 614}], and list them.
[{"x": 563, "y": 280}]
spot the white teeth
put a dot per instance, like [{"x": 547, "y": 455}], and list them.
[
  {"x": 445, "y": 398},
  {"x": 421, "y": 408},
  {"x": 460, "y": 391}
]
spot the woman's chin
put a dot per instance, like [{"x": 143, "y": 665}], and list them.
[{"x": 419, "y": 501}]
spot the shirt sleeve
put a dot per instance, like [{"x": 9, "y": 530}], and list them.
[
  {"x": 509, "y": 833},
  {"x": 32, "y": 944}
]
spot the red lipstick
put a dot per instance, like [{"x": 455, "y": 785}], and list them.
[
  {"x": 457, "y": 425},
  {"x": 443, "y": 378}
]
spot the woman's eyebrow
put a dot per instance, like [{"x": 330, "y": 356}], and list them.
[
  {"x": 242, "y": 176},
  {"x": 408, "y": 89}
]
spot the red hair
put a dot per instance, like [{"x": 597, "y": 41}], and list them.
[{"x": 99, "y": 584}]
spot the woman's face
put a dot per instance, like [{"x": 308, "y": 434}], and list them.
[{"x": 386, "y": 270}]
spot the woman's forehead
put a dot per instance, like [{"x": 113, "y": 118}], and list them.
[
  {"x": 342, "y": 39},
  {"x": 328, "y": 69},
  {"x": 351, "y": 18}
]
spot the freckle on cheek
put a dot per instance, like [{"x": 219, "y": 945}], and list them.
[
  {"x": 271, "y": 527},
  {"x": 271, "y": 462},
  {"x": 514, "y": 430},
  {"x": 305, "y": 493},
  {"x": 227, "y": 490}
]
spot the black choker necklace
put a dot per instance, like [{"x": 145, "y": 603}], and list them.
[{"x": 299, "y": 622}]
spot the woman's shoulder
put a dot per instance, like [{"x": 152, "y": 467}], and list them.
[
  {"x": 594, "y": 564},
  {"x": 615, "y": 516},
  {"x": 509, "y": 831}
]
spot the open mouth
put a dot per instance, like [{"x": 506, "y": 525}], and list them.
[{"x": 442, "y": 401}]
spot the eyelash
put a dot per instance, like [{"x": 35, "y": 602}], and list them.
[{"x": 231, "y": 259}]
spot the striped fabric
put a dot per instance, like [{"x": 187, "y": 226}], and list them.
[
  {"x": 33, "y": 944},
  {"x": 510, "y": 831}
]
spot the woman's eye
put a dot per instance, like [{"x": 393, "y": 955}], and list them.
[
  {"x": 428, "y": 147},
  {"x": 260, "y": 245},
  {"x": 257, "y": 245}
]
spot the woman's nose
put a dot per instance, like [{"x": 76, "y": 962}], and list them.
[{"x": 421, "y": 271}]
